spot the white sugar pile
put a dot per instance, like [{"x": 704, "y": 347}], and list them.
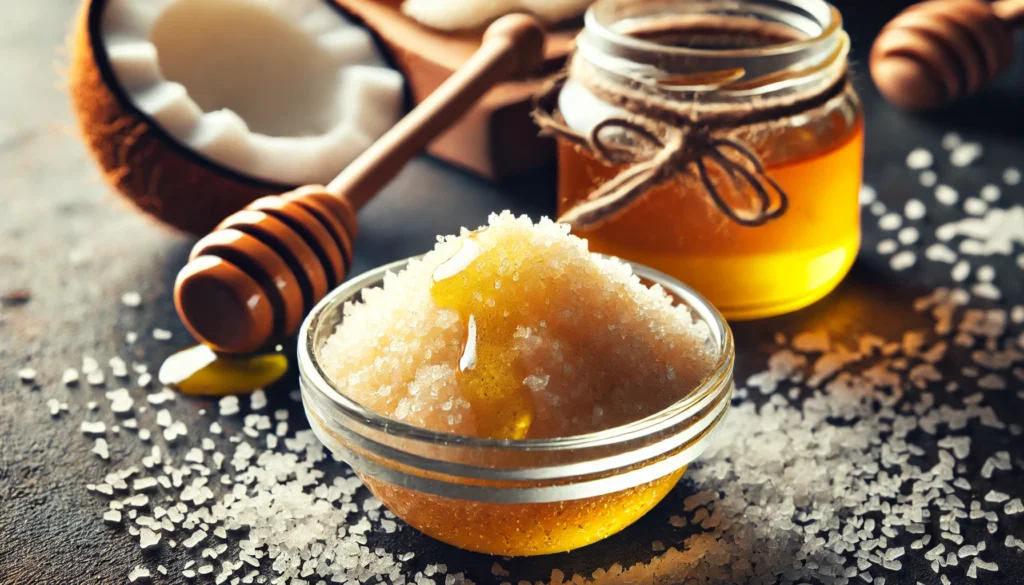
[
  {"x": 523, "y": 311},
  {"x": 847, "y": 459}
]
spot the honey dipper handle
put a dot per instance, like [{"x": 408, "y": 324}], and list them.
[
  {"x": 512, "y": 46},
  {"x": 1010, "y": 12}
]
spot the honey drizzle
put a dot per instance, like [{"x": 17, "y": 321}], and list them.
[
  {"x": 199, "y": 370},
  {"x": 471, "y": 283}
]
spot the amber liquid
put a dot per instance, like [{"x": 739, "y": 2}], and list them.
[
  {"x": 200, "y": 371},
  {"x": 747, "y": 272},
  {"x": 522, "y": 529}
]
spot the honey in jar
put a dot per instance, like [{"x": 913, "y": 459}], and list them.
[
  {"x": 516, "y": 334},
  {"x": 757, "y": 205}
]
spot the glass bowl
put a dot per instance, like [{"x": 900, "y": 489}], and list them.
[{"x": 509, "y": 497}]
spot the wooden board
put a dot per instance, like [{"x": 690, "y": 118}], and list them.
[{"x": 495, "y": 139}]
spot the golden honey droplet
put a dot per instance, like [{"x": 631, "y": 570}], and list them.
[{"x": 201, "y": 371}]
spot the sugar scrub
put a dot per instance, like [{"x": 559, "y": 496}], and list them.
[{"x": 516, "y": 331}]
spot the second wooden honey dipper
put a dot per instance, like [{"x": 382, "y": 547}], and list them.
[
  {"x": 939, "y": 50},
  {"x": 253, "y": 279}
]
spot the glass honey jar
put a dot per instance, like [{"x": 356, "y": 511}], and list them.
[{"x": 719, "y": 142}]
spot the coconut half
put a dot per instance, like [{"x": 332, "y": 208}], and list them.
[{"x": 196, "y": 107}]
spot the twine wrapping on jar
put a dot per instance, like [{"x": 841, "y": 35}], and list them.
[{"x": 666, "y": 137}]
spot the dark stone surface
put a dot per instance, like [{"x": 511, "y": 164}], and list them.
[{"x": 71, "y": 243}]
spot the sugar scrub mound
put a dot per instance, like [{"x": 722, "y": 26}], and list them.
[{"x": 516, "y": 331}]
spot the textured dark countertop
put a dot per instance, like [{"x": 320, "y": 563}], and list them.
[{"x": 75, "y": 248}]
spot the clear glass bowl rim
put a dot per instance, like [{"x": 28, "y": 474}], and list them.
[{"x": 718, "y": 379}]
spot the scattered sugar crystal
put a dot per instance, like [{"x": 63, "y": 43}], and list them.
[
  {"x": 98, "y": 428},
  {"x": 990, "y": 193},
  {"x": 144, "y": 379},
  {"x": 139, "y": 574},
  {"x": 176, "y": 430},
  {"x": 70, "y": 377},
  {"x": 877, "y": 208},
  {"x": 120, "y": 401},
  {"x": 118, "y": 367},
  {"x": 136, "y": 501},
  {"x": 903, "y": 260},
  {"x": 131, "y": 299},
  {"x": 992, "y": 382},
  {"x": 890, "y": 221},
  {"x": 27, "y": 375},
  {"x": 112, "y": 517},
  {"x": 996, "y": 497},
  {"x": 961, "y": 270},
  {"x": 158, "y": 398},
  {"x": 163, "y": 418},
  {"x": 1011, "y": 176},
  {"x": 144, "y": 434},
  {"x": 928, "y": 178},
  {"x": 946, "y": 195},
  {"x": 886, "y": 247},
  {"x": 1017, "y": 314},
  {"x": 96, "y": 378},
  {"x": 1014, "y": 506},
  {"x": 908, "y": 236},
  {"x": 965, "y": 154},
  {"x": 985, "y": 565},
  {"x": 148, "y": 538},
  {"x": 161, "y": 334},
  {"x": 131, "y": 337},
  {"x": 914, "y": 209},
  {"x": 144, "y": 484},
  {"x": 561, "y": 292},
  {"x": 975, "y": 206},
  {"x": 951, "y": 140},
  {"x": 498, "y": 571},
  {"x": 100, "y": 449},
  {"x": 89, "y": 365},
  {"x": 868, "y": 195},
  {"x": 985, "y": 273},
  {"x": 920, "y": 158},
  {"x": 986, "y": 290},
  {"x": 940, "y": 253},
  {"x": 258, "y": 400},
  {"x": 228, "y": 406},
  {"x": 56, "y": 407}
]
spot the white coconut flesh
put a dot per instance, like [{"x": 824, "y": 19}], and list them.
[{"x": 288, "y": 91}]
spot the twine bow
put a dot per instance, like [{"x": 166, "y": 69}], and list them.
[{"x": 656, "y": 152}]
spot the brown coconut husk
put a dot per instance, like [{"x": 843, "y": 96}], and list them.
[{"x": 151, "y": 168}]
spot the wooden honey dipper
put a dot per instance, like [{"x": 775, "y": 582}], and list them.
[
  {"x": 254, "y": 278},
  {"x": 939, "y": 50}
]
